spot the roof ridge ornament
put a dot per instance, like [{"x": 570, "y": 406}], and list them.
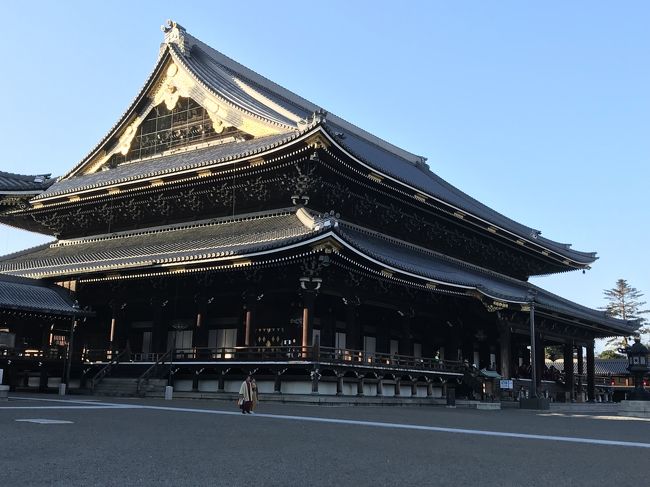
[
  {"x": 319, "y": 116},
  {"x": 176, "y": 34}
]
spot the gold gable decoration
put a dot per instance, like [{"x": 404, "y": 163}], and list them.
[{"x": 176, "y": 84}]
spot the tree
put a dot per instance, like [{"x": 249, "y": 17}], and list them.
[
  {"x": 610, "y": 354},
  {"x": 624, "y": 303}
]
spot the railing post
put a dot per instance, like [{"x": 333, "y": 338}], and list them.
[
  {"x": 277, "y": 384},
  {"x": 360, "y": 382}
]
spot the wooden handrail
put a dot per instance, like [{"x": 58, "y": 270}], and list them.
[
  {"x": 152, "y": 369},
  {"x": 97, "y": 378}
]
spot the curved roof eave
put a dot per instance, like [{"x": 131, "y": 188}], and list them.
[
  {"x": 458, "y": 200},
  {"x": 518, "y": 290}
]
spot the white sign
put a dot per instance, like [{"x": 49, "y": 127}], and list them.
[{"x": 506, "y": 384}]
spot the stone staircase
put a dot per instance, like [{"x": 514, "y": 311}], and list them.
[{"x": 110, "y": 386}]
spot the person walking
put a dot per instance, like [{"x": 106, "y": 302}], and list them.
[
  {"x": 246, "y": 395},
  {"x": 254, "y": 396}
]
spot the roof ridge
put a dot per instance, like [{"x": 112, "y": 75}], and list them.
[{"x": 270, "y": 86}]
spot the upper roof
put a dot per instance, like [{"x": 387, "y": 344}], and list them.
[{"x": 236, "y": 96}]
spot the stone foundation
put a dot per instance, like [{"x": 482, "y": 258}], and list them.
[{"x": 635, "y": 409}]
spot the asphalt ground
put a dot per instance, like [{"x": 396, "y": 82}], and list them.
[{"x": 150, "y": 442}]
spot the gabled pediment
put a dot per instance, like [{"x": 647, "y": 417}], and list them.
[{"x": 177, "y": 108}]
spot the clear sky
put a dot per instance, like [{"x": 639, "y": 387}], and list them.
[{"x": 539, "y": 110}]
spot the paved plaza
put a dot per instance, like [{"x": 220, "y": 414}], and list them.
[{"x": 48, "y": 440}]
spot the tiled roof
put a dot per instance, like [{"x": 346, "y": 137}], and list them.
[
  {"x": 22, "y": 294},
  {"x": 175, "y": 244},
  {"x": 158, "y": 166},
  {"x": 377, "y": 153},
  {"x": 263, "y": 232},
  {"x": 23, "y": 183},
  {"x": 438, "y": 267},
  {"x": 279, "y": 106},
  {"x": 613, "y": 366}
]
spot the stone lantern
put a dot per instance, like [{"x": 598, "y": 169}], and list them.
[{"x": 637, "y": 357}]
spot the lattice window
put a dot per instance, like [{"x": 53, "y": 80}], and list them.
[{"x": 164, "y": 129}]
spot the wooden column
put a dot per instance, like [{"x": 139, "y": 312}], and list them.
[
  {"x": 568, "y": 370},
  {"x": 405, "y": 346},
  {"x": 250, "y": 305},
  {"x": 248, "y": 323},
  {"x": 339, "y": 384},
  {"x": 540, "y": 359},
  {"x": 200, "y": 335},
  {"x": 581, "y": 369},
  {"x": 277, "y": 383},
  {"x": 360, "y": 383},
  {"x": 380, "y": 386},
  {"x": 591, "y": 386},
  {"x": 158, "y": 329},
  {"x": 309, "y": 289},
  {"x": 353, "y": 333},
  {"x": 505, "y": 359}
]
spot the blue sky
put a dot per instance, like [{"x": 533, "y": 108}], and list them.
[{"x": 541, "y": 111}]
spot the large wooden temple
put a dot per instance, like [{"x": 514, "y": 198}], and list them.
[{"x": 225, "y": 225}]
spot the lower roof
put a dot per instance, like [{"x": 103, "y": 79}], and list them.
[
  {"x": 264, "y": 235},
  {"x": 21, "y": 294}
]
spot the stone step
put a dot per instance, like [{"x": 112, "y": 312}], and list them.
[{"x": 112, "y": 386}]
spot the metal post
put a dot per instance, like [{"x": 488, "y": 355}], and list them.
[{"x": 533, "y": 355}]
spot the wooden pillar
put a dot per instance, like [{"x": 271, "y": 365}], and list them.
[
  {"x": 42, "y": 379},
  {"x": 414, "y": 388},
  {"x": 277, "y": 383},
  {"x": 540, "y": 359},
  {"x": 398, "y": 389},
  {"x": 308, "y": 294},
  {"x": 195, "y": 381},
  {"x": 247, "y": 329},
  {"x": 568, "y": 371},
  {"x": 380, "y": 386},
  {"x": 353, "y": 333},
  {"x": 405, "y": 346},
  {"x": 429, "y": 388},
  {"x": 360, "y": 383},
  {"x": 222, "y": 382},
  {"x": 315, "y": 377},
  {"x": 113, "y": 329},
  {"x": 505, "y": 348},
  {"x": 339, "y": 384},
  {"x": 581, "y": 369},
  {"x": 591, "y": 386},
  {"x": 158, "y": 337},
  {"x": 200, "y": 335}
]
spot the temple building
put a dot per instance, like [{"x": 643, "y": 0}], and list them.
[{"x": 225, "y": 225}]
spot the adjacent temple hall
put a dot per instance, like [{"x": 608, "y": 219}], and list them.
[{"x": 225, "y": 225}]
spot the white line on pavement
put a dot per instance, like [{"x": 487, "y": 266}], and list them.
[{"x": 375, "y": 424}]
